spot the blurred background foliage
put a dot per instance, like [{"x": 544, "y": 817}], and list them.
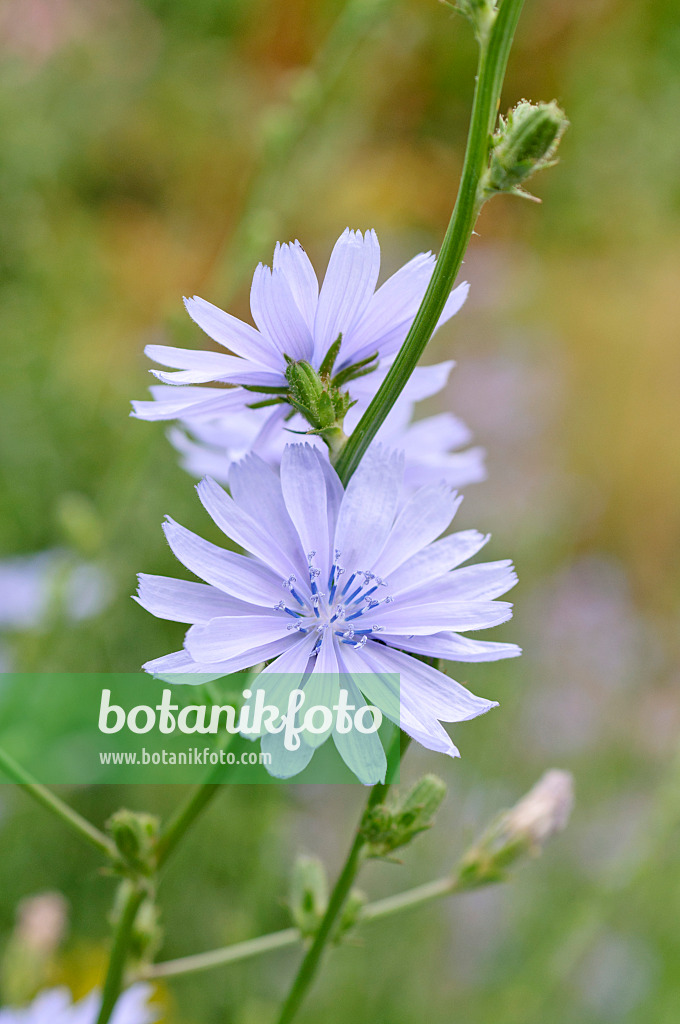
[{"x": 154, "y": 148}]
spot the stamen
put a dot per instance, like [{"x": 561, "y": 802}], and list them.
[{"x": 349, "y": 583}]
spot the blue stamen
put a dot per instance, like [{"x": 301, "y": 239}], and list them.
[{"x": 349, "y": 583}]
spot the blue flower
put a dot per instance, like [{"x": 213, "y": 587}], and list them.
[
  {"x": 295, "y": 318},
  {"x": 56, "y": 1006},
  {"x": 336, "y": 581}
]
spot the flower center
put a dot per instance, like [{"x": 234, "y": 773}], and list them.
[{"x": 344, "y": 606}]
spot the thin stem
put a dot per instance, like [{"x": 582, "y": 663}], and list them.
[
  {"x": 119, "y": 953},
  {"x": 312, "y": 959},
  {"x": 220, "y": 957},
  {"x": 187, "y": 813},
  {"x": 357, "y": 23},
  {"x": 53, "y": 803},
  {"x": 375, "y": 911},
  {"x": 493, "y": 58}
]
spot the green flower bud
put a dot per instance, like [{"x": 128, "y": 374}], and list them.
[
  {"x": 147, "y": 934},
  {"x": 480, "y": 14},
  {"x": 308, "y": 894},
  {"x": 135, "y": 836},
  {"x": 524, "y": 143},
  {"x": 350, "y": 916},
  {"x": 386, "y": 828}
]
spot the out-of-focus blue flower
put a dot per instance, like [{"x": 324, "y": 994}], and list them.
[
  {"x": 32, "y": 587},
  {"x": 56, "y": 1006},
  {"x": 336, "y": 581}
]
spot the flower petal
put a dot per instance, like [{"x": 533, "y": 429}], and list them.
[
  {"x": 322, "y": 687},
  {"x": 242, "y": 528},
  {"x": 294, "y": 263},
  {"x": 229, "y": 637},
  {"x": 180, "y": 667},
  {"x": 420, "y": 521},
  {"x": 184, "y": 601},
  {"x": 256, "y": 489},
  {"x": 453, "y": 647},
  {"x": 454, "y": 302},
  {"x": 277, "y": 315},
  {"x": 457, "y": 469},
  {"x": 424, "y": 618},
  {"x": 391, "y": 310},
  {"x": 285, "y": 763},
  {"x": 171, "y": 403},
  {"x": 481, "y": 582},
  {"x": 363, "y": 753},
  {"x": 303, "y": 484},
  {"x": 426, "y": 689},
  {"x": 235, "y": 335},
  {"x": 237, "y": 575},
  {"x": 383, "y": 688},
  {"x": 438, "y": 433},
  {"x": 347, "y": 288},
  {"x": 199, "y": 367},
  {"x": 368, "y": 509},
  {"x": 436, "y": 559}
]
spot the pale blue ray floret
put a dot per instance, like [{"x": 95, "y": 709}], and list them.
[
  {"x": 335, "y": 582},
  {"x": 56, "y": 1006}
]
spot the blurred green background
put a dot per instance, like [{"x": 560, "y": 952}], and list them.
[{"x": 155, "y": 148}]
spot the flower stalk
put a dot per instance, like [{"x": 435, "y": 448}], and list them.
[
  {"x": 90, "y": 833},
  {"x": 494, "y": 50},
  {"x": 122, "y": 938},
  {"x": 312, "y": 959},
  {"x": 525, "y": 829}
]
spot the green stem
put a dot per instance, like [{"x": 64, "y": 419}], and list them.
[
  {"x": 113, "y": 983},
  {"x": 187, "y": 813},
  {"x": 358, "y": 22},
  {"x": 375, "y": 911},
  {"x": 493, "y": 58},
  {"x": 49, "y": 800},
  {"x": 312, "y": 959},
  {"x": 221, "y": 957}
]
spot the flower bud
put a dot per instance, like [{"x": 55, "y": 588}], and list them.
[
  {"x": 480, "y": 14},
  {"x": 308, "y": 894},
  {"x": 350, "y": 915},
  {"x": 135, "y": 836},
  {"x": 386, "y": 828},
  {"x": 522, "y": 830},
  {"x": 543, "y": 811},
  {"x": 524, "y": 143}
]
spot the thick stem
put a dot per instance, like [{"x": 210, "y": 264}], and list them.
[
  {"x": 115, "y": 974},
  {"x": 52, "y": 803},
  {"x": 494, "y": 52},
  {"x": 312, "y": 959}
]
